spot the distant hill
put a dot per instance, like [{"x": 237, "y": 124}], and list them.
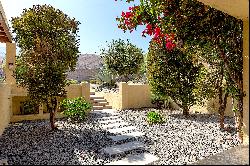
[{"x": 87, "y": 67}]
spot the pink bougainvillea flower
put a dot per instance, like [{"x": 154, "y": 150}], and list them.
[{"x": 123, "y": 14}]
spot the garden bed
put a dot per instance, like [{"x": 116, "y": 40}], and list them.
[
  {"x": 182, "y": 140},
  {"x": 178, "y": 141}
]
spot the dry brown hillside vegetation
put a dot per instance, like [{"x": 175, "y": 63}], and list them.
[{"x": 87, "y": 67}]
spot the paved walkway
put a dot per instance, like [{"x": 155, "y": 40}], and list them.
[
  {"x": 123, "y": 131},
  {"x": 235, "y": 156}
]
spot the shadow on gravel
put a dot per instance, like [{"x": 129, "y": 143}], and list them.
[{"x": 33, "y": 143}]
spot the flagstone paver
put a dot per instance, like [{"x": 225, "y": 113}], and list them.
[
  {"x": 126, "y": 136},
  {"x": 121, "y": 148},
  {"x": 140, "y": 159},
  {"x": 112, "y": 125},
  {"x": 110, "y": 121},
  {"x": 121, "y": 130}
]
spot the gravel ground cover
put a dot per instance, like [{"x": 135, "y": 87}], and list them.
[
  {"x": 32, "y": 142},
  {"x": 182, "y": 140},
  {"x": 178, "y": 141}
]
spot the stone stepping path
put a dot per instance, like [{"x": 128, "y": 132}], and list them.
[
  {"x": 140, "y": 159},
  {"x": 112, "y": 125},
  {"x": 100, "y": 112},
  {"x": 108, "y": 118},
  {"x": 117, "y": 149},
  {"x": 126, "y": 136},
  {"x": 111, "y": 122},
  {"x": 121, "y": 130}
]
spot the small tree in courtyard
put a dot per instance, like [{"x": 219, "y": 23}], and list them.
[
  {"x": 191, "y": 23},
  {"x": 122, "y": 58},
  {"x": 172, "y": 73},
  {"x": 49, "y": 48}
]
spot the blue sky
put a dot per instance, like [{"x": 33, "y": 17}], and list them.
[{"x": 97, "y": 18}]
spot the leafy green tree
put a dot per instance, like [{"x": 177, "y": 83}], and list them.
[
  {"x": 122, "y": 58},
  {"x": 192, "y": 23},
  {"x": 49, "y": 48},
  {"x": 105, "y": 77},
  {"x": 172, "y": 73}
]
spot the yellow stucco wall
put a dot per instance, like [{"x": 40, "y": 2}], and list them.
[
  {"x": 129, "y": 96},
  {"x": 18, "y": 94},
  {"x": 246, "y": 81},
  {"x": 10, "y": 58},
  {"x": 74, "y": 90},
  {"x": 4, "y": 106},
  {"x": 212, "y": 107},
  {"x": 138, "y": 95}
]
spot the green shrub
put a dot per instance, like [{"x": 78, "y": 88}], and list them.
[
  {"x": 76, "y": 108},
  {"x": 154, "y": 117}
]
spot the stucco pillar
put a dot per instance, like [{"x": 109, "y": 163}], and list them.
[
  {"x": 246, "y": 81},
  {"x": 86, "y": 91},
  {"x": 10, "y": 63},
  {"x": 123, "y": 94}
]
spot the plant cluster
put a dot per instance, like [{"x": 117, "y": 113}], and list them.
[
  {"x": 154, "y": 117},
  {"x": 76, "y": 108}
]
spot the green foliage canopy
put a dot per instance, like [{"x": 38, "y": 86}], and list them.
[
  {"x": 122, "y": 58},
  {"x": 172, "y": 73},
  {"x": 49, "y": 48}
]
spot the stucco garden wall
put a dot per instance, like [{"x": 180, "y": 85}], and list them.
[
  {"x": 19, "y": 94},
  {"x": 5, "y": 91}
]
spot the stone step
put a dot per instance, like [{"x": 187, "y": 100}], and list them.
[
  {"x": 4, "y": 162},
  {"x": 108, "y": 118},
  {"x": 100, "y": 103},
  {"x": 109, "y": 110},
  {"x": 104, "y": 114},
  {"x": 97, "y": 107},
  {"x": 126, "y": 136},
  {"x": 98, "y": 100},
  {"x": 117, "y": 149},
  {"x": 121, "y": 130},
  {"x": 106, "y": 121},
  {"x": 112, "y": 125},
  {"x": 139, "y": 159},
  {"x": 108, "y": 107},
  {"x": 96, "y": 97},
  {"x": 103, "y": 111}
]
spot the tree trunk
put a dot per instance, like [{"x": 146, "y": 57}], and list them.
[
  {"x": 238, "y": 79},
  {"x": 222, "y": 105},
  {"x": 221, "y": 112},
  {"x": 51, "y": 106},
  {"x": 240, "y": 117},
  {"x": 185, "y": 111}
]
